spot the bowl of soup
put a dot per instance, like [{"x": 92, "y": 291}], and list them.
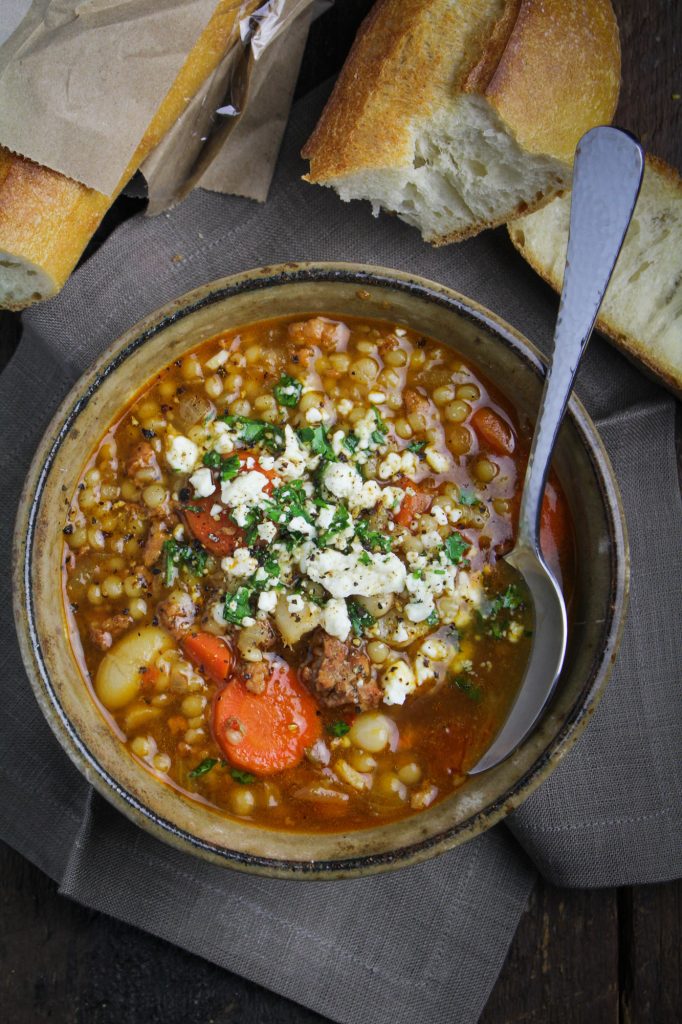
[{"x": 260, "y": 582}]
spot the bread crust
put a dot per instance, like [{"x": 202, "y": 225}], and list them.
[
  {"x": 401, "y": 66},
  {"x": 410, "y": 57},
  {"x": 550, "y": 104},
  {"x": 633, "y": 348},
  {"x": 47, "y": 219}
]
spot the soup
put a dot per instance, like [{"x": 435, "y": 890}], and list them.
[{"x": 282, "y": 571}]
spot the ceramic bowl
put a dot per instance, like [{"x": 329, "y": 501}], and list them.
[{"x": 507, "y": 359}]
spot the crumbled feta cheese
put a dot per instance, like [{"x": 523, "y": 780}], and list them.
[
  {"x": 299, "y": 525},
  {"x": 223, "y": 440},
  {"x": 341, "y": 479},
  {"x": 392, "y": 499},
  {"x": 267, "y": 462},
  {"x": 313, "y": 415},
  {"x": 345, "y": 406},
  {"x": 337, "y": 439},
  {"x": 377, "y": 397},
  {"x": 295, "y": 603},
  {"x": 216, "y": 511},
  {"x": 335, "y": 620},
  {"x": 181, "y": 453},
  {"x": 239, "y": 563},
  {"x": 202, "y": 482},
  {"x": 397, "y": 682},
  {"x": 342, "y": 575},
  {"x": 267, "y": 601},
  {"x": 325, "y": 516},
  {"x": 440, "y": 515},
  {"x": 246, "y": 489},
  {"x": 267, "y": 532},
  {"x": 434, "y": 649},
  {"x": 294, "y": 461},
  {"x": 431, "y": 539}
]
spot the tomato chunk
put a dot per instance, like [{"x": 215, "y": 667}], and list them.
[
  {"x": 416, "y": 501},
  {"x": 211, "y": 654},
  {"x": 269, "y": 731}
]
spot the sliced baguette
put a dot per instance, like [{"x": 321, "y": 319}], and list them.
[
  {"x": 642, "y": 309},
  {"x": 47, "y": 219},
  {"x": 460, "y": 114}
]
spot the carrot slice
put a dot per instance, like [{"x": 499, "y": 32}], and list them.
[
  {"x": 493, "y": 431},
  {"x": 415, "y": 501},
  {"x": 272, "y": 728},
  {"x": 220, "y": 536},
  {"x": 210, "y": 654}
]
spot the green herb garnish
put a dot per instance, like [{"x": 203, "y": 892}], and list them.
[
  {"x": 227, "y": 469},
  {"x": 351, "y": 442},
  {"x": 372, "y": 539},
  {"x": 238, "y": 605},
  {"x": 360, "y": 619},
  {"x": 317, "y": 438},
  {"x": 203, "y": 767},
  {"x": 338, "y": 728},
  {"x": 340, "y": 522},
  {"x": 176, "y": 555},
  {"x": 241, "y": 776},
  {"x": 466, "y": 686},
  {"x": 288, "y": 390},
  {"x": 455, "y": 547},
  {"x": 433, "y": 618},
  {"x": 257, "y": 432},
  {"x": 417, "y": 447}
]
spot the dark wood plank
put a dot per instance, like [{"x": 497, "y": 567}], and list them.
[
  {"x": 651, "y": 94},
  {"x": 562, "y": 967},
  {"x": 650, "y": 927},
  {"x": 64, "y": 964}
]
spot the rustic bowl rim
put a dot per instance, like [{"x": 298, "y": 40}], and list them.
[{"x": 362, "y": 275}]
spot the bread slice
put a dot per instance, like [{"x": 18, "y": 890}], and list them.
[
  {"x": 47, "y": 219},
  {"x": 460, "y": 114},
  {"x": 642, "y": 308}
]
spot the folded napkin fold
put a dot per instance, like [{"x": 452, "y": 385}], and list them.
[{"x": 424, "y": 944}]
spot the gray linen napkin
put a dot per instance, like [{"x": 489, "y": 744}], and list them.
[{"x": 424, "y": 944}]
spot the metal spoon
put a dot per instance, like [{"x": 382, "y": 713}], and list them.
[{"x": 607, "y": 175}]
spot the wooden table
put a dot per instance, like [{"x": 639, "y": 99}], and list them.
[{"x": 579, "y": 957}]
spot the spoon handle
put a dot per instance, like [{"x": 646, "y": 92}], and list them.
[{"x": 607, "y": 175}]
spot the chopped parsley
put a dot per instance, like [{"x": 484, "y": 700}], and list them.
[
  {"x": 360, "y": 619},
  {"x": 227, "y": 469},
  {"x": 378, "y": 436},
  {"x": 176, "y": 555},
  {"x": 351, "y": 442},
  {"x": 239, "y": 775},
  {"x": 257, "y": 432},
  {"x": 433, "y": 618},
  {"x": 203, "y": 767},
  {"x": 466, "y": 685},
  {"x": 455, "y": 547},
  {"x": 287, "y": 503},
  {"x": 417, "y": 447},
  {"x": 318, "y": 440},
  {"x": 341, "y": 521},
  {"x": 238, "y": 605},
  {"x": 372, "y": 539},
  {"x": 338, "y": 728},
  {"x": 496, "y": 618},
  {"x": 288, "y": 390}
]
